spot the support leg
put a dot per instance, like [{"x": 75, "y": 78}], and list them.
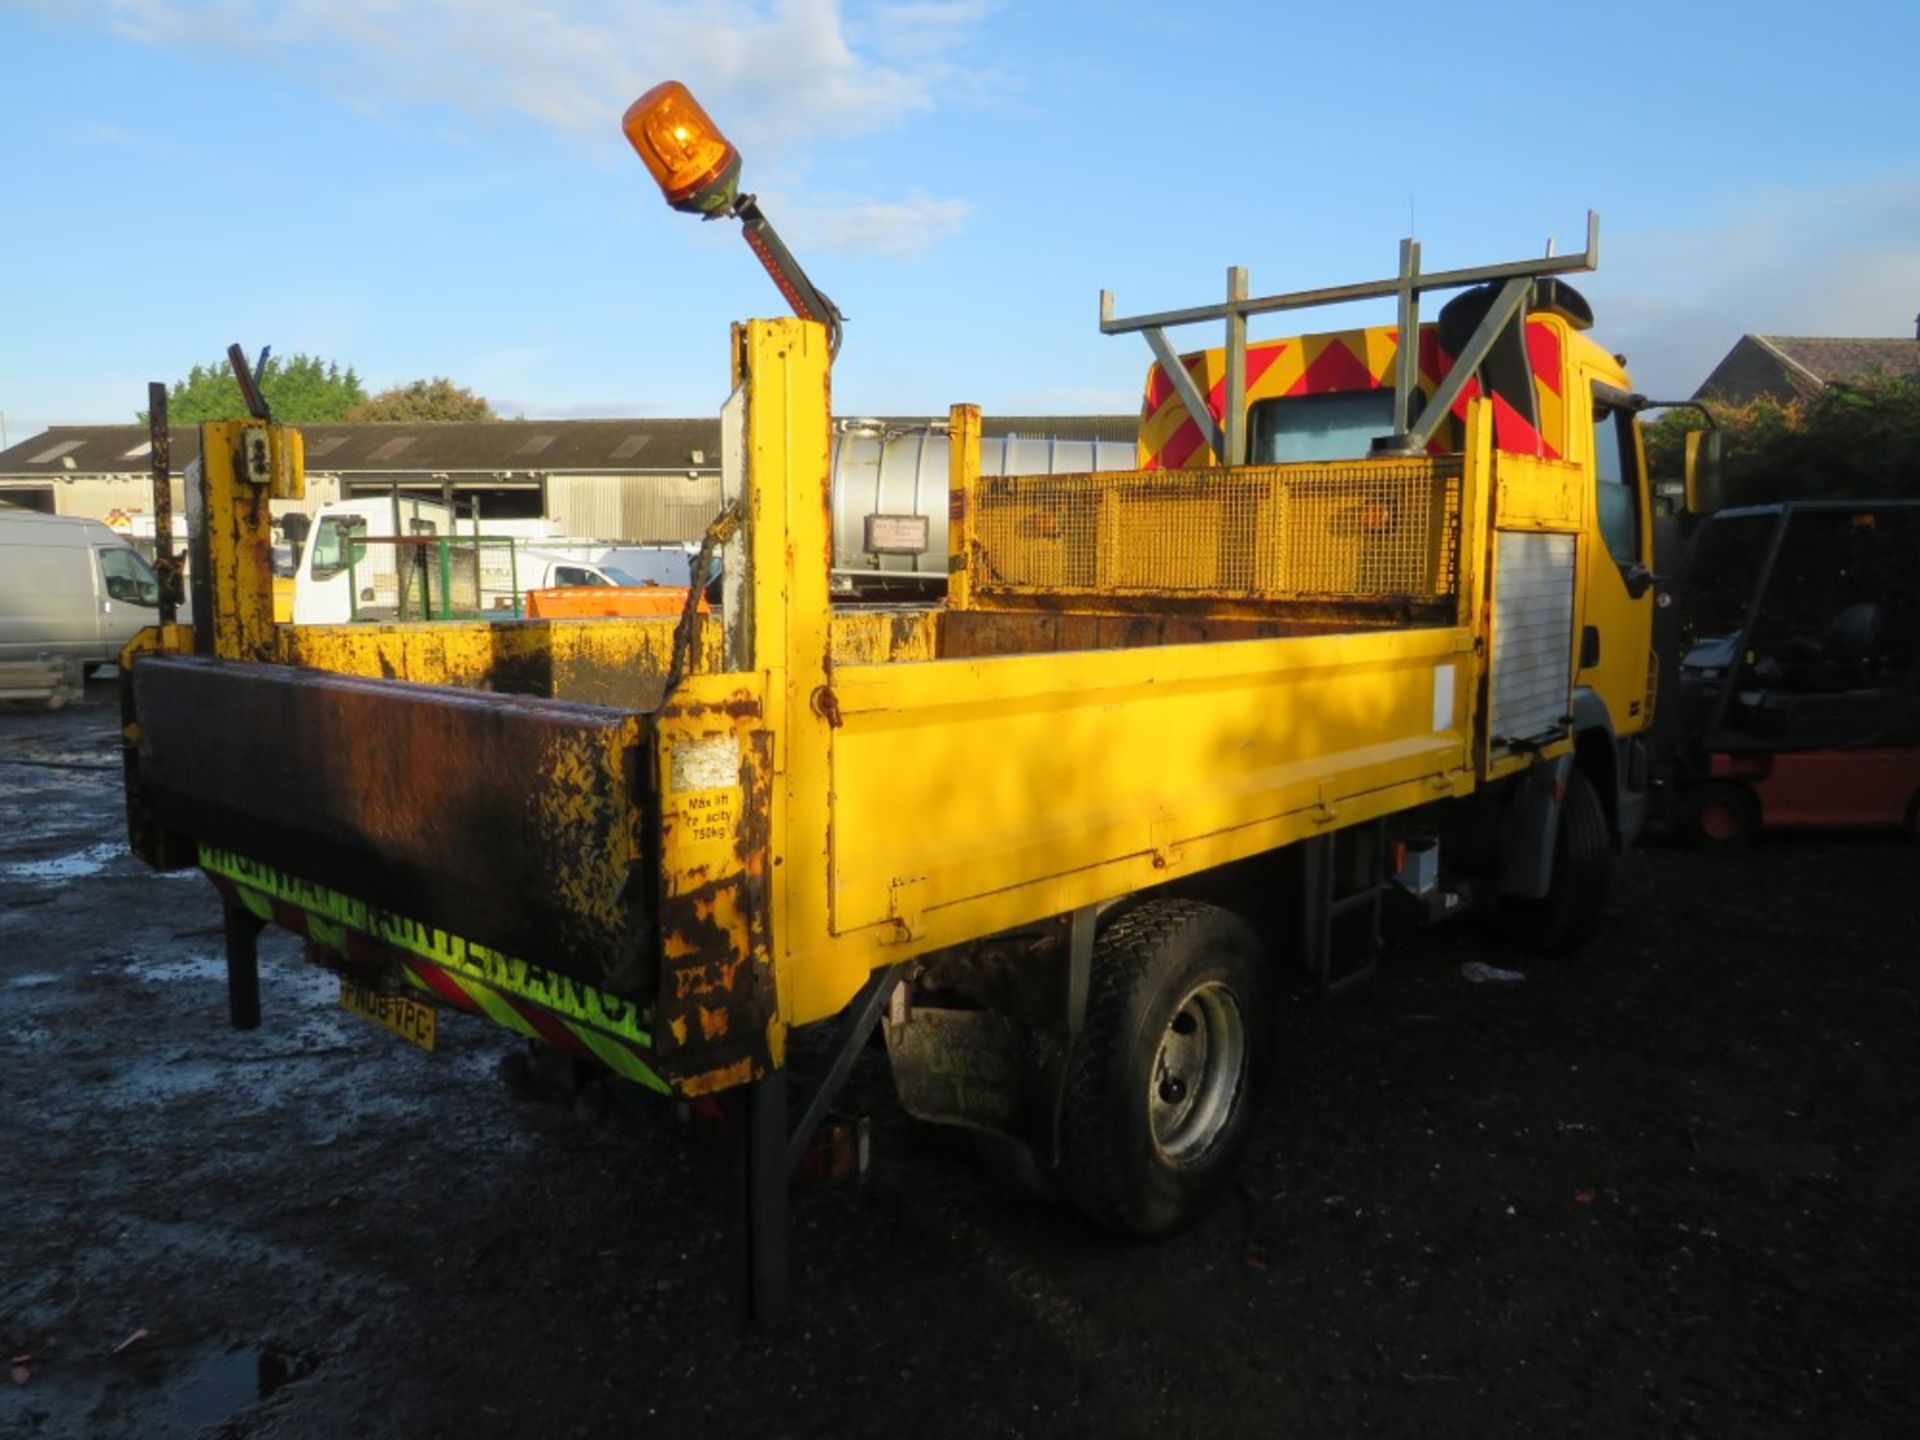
[
  {"x": 771, "y": 1153},
  {"x": 243, "y": 966},
  {"x": 764, "y": 1180}
]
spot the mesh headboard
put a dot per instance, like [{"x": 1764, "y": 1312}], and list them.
[{"x": 1370, "y": 530}]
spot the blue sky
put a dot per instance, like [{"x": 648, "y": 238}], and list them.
[{"x": 423, "y": 187}]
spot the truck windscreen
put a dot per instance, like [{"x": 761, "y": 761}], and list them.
[{"x": 1294, "y": 428}]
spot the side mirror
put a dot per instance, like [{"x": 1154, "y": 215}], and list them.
[
  {"x": 123, "y": 587},
  {"x": 1703, "y": 472}
]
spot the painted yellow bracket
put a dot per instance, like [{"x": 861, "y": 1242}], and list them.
[{"x": 243, "y": 465}]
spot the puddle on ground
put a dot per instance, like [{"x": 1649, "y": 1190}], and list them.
[
  {"x": 198, "y": 967},
  {"x": 31, "y": 822},
  {"x": 218, "y": 1385},
  {"x": 74, "y": 865}
]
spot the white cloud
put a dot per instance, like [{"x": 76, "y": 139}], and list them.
[
  {"x": 927, "y": 31},
  {"x": 1833, "y": 260},
  {"x": 892, "y": 229},
  {"x": 781, "y": 74}
]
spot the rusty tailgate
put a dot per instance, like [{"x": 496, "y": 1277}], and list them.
[{"x": 515, "y": 821}]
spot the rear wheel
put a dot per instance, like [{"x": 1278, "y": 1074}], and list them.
[
  {"x": 1166, "y": 1080},
  {"x": 1564, "y": 919},
  {"x": 1722, "y": 815}
]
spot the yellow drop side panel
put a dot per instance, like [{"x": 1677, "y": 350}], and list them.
[{"x": 974, "y": 795}]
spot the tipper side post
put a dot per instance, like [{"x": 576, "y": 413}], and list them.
[
  {"x": 717, "y": 729},
  {"x": 244, "y": 464}
]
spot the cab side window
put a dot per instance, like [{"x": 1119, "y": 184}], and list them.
[
  {"x": 574, "y": 575},
  {"x": 334, "y": 544},
  {"x": 127, "y": 576},
  {"x": 1617, "y": 471}
]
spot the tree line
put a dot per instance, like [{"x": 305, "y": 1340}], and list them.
[
  {"x": 305, "y": 390},
  {"x": 1853, "y": 440}
]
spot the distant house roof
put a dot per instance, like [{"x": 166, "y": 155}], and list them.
[
  {"x": 499, "y": 447},
  {"x": 1789, "y": 366}
]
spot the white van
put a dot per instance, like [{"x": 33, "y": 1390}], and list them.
[{"x": 70, "y": 590}]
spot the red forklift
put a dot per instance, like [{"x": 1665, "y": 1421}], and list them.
[{"x": 1799, "y": 682}]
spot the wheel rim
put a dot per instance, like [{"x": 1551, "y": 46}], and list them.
[
  {"x": 1723, "y": 818},
  {"x": 1197, "y": 1072}
]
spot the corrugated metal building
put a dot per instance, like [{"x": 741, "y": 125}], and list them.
[{"x": 639, "y": 479}]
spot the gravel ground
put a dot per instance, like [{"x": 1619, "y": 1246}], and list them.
[{"x": 1668, "y": 1187}]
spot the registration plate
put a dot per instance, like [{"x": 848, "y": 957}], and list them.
[{"x": 411, "y": 1020}]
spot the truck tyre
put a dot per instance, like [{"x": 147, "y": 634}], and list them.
[
  {"x": 1167, "y": 1077},
  {"x": 1722, "y": 815},
  {"x": 1562, "y": 920}
]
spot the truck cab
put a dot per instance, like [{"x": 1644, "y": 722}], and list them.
[
  {"x": 350, "y": 568},
  {"x": 1556, "y": 396},
  {"x": 409, "y": 558}
]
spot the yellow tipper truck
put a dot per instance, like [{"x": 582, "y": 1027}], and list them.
[{"x": 1175, "y": 737}]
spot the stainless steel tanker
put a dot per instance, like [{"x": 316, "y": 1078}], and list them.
[{"x": 890, "y": 496}]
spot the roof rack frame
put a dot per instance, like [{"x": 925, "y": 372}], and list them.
[{"x": 1228, "y": 438}]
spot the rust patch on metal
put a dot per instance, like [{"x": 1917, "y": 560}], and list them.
[
  {"x": 508, "y": 820},
  {"x": 712, "y": 1082},
  {"x": 716, "y": 998},
  {"x": 827, "y": 705},
  {"x": 153, "y": 842},
  {"x": 618, "y": 662},
  {"x": 1347, "y": 611},
  {"x": 738, "y": 708},
  {"x": 971, "y": 633}
]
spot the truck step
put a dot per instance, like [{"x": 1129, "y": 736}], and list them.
[{"x": 1343, "y": 883}]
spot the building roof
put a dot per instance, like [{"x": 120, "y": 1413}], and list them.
[
  {"x": 1831, "y": 358},
  {"x": 1786, "y": 366},
  {"x": 497, "y": 447}
]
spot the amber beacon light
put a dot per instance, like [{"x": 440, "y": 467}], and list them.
[
  {"x": 698, "y": 170},
  {"x": 695, "y": 166}
]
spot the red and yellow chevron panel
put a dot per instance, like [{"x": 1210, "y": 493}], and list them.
[
  {"x": 1344, "y": 361},
  {"x": 369, "y": 943}
]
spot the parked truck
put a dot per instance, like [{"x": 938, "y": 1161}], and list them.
[
  {"x": 1366, "y": 627},
  {"x": 403, "y": 557}
]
